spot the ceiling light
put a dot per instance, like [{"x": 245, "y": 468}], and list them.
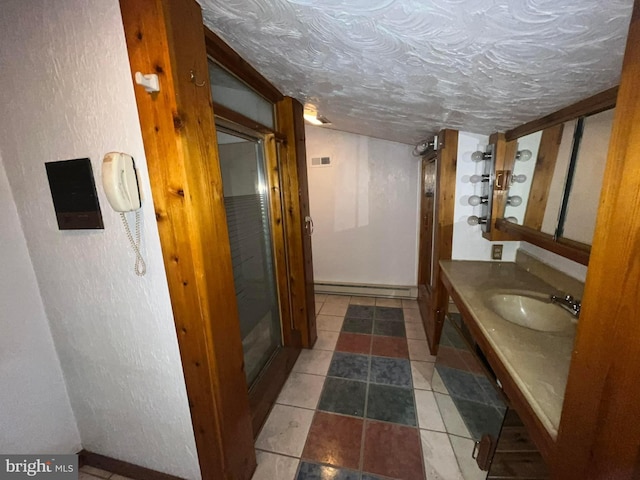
[{"x": 312, "y": 119}]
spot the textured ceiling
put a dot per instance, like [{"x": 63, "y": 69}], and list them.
[{"x": 403, "y": 69}]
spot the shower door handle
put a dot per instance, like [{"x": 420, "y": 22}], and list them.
[{"x": 308, "y": 225}]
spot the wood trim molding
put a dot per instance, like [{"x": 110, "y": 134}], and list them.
[
  {"x": 290, "y": 122},
  {"x": 597, "y": 103},
  {"x": 542, "y": 176},
  {"x": 576, "y": 251},
  {"x": 229, "y": 59},
  {"x": 505, "y": 155},
  {"x": 518, "y": 401},
  {"x": 178, "y": 130},
  {"x": 443, "y": 233},
  {"x": 599, "y": 433},
  {"x": 239, "y": 119},
  {"x": 120, "y": 467}
]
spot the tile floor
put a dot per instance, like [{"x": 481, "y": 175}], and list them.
[
  {"x": 365, "y": 404},
  {"x": 91, "y": 473}
]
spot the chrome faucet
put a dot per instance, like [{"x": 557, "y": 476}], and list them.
[{"x": 569, "y": 303}]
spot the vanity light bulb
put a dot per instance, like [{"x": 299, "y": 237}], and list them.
[
  {"x": 477, "y": 156},
  {"x": 519, "y": 178},
  {"x": 475, "y": 200},
  {"x": 474, "y": 220},
  {"x": 511, "y": 219},
  {"x": 514, "y": 201},
  {"x": 479, "y": 178},
  {"x": 524, "y": 155}
]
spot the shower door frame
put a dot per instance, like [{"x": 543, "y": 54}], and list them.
[{"x": 266, "y": 387}]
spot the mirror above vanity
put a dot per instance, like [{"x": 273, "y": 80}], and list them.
[{"x": 555, "y": 176}]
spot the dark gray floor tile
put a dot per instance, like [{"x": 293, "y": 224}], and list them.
[
  {"x": 349, "y": 365},
  {"x": 480, "y": 419},
  {"x": 389, "y": 313},
  {"x": 357, "y": 325},
  {"x": 389, "y": 328},
  {"x": 391, "y": 404},
  {"x": 312, "y": 471},
  {"x": 391, "y": 371},
  {"x": 343, "y": 396},
  {"x": 462, "y": 384},
  {"x": 490, "y": 391},
  {"x": 360, "y": 311}
]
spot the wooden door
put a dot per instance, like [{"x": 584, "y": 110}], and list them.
[
  {"x": 427, "y": 204},
  {"x": 432, "y": 295}
]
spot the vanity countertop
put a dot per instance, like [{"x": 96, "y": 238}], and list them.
[{"x": 538, "y": 362}]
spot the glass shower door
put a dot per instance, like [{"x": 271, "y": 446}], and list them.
[{"x": 246, "y": 199}]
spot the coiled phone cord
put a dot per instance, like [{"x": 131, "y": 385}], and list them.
[{"x": 140, "y": 267}]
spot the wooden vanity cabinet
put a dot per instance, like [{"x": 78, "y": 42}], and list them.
[{"x": 503, "y": 447}]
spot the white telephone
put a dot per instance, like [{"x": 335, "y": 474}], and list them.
[{"x": 120, "y": 182}]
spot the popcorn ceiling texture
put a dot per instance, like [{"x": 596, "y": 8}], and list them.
[{"x": 401, "y": 69}]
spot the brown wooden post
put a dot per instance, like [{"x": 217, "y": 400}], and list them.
[
  {"x": 599, "y": 434},
  {"x": 166, "y": 37}
]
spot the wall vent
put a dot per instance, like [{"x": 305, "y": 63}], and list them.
[{"x": 321, "y": 162}]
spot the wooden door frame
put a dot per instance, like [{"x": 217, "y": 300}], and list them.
[
  {"x": 599, "y": 434},
  {"x": 433, "y": 303},
  {"x": 166, "y": 37}
]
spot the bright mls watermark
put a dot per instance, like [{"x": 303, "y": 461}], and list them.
[{"x": 50, "y": 467}]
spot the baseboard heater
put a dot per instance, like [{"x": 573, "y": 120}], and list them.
[{"x": 388, "y": 291}]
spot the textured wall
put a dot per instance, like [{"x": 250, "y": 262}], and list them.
[
  {"x": 468, "y": 242},
  {"x": 364, "y": 208},
  {"x": 397, "y": 69},
  {"x": 66, "y": 93},
  {"x": 36, "y": 415}
]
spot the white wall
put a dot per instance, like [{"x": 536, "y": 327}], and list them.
[
  {"x": 364, "y": 208},
  {"x": 571, "y": 268},
  {"x": 36, "y": 414},
  {"x": 66, "y": 93},
  {"x": 468, "y": 243}
]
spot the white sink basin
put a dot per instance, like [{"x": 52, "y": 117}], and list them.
[{"x": 535, "y": 312}]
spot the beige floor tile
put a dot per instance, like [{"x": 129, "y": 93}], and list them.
[
  {"x": 437, "y": 385},
  {"x": 326, "y": 340},
  {"x": 453, "y": 422},
  {"x": 363, "y": 301},
  {"x": 422, "y": 373},
  {"x": 272, "y": 466},
  {"x": 314, "y": 362},
  {"x": 320, "y": 297},
  {"x": 463, "y": 447},
  {"x": 87, "y": 476},
  {"x": 336, "y": 309},
  {"x": 389, "y": 302},
  {"x": 428, "y": 413},
  {"x": 439, "y": 460},
  {"x": 412, "y": 315},
  {"x": 285, "y": 430},
  {"x": 318, "y": 307},
  {"x": 338, "y": 299},
  {"x": 329, "y": 322},
  {"x": 301, "y": 390},
  {"x": 415, "y": 331},
  {"x": 410, "y": 304},
  {"x": 419, "y": 350},
  {"x": 96, "y": 472}
]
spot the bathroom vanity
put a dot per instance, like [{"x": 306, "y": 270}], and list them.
[{"x": 511, "y": 347}]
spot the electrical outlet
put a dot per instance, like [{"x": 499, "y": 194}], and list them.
[{"x": 496, "y": 252}]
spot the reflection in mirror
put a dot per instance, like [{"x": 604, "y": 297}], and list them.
[{"x": 584, "y": 195}]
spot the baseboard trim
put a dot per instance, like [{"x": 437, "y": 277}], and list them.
[
  {"x": 120, "y": 467},
  {"x": 367, "y": 290}
]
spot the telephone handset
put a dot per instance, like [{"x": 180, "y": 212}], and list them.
[{"x": 120, "y": 182}]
